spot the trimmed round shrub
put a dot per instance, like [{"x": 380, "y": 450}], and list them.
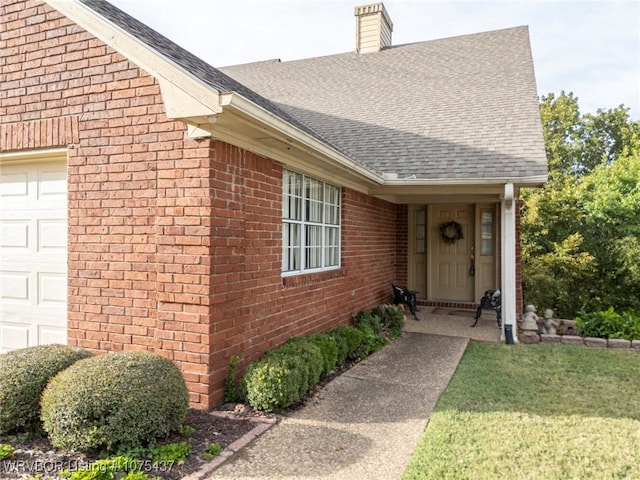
[
  {"x": 24, "y": 373},
  {"x": 309, "y": 353},
  {"x": 117, "y": 399},
  {"x": 329, "y": 350},
  {"x": 273, "y": 382},
  {"x": 283, "y": 375},
  {"x": 354, "y": 339}
]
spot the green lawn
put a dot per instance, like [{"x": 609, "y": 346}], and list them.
[{"x": 535, "y": 412}]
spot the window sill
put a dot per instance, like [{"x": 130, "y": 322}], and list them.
[{"x": 311, "y": 278}]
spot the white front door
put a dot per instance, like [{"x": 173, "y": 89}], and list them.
[
  {"x": 450, "y": 276},
  {"x": 33, "y": 253}
]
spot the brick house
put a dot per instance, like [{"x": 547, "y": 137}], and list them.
[{"x": 151, "y": 201}]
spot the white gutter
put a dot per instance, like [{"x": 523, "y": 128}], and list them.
[{"x": 531, "y": 180}]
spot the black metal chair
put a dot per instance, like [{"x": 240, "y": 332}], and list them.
[
  {"x": 491, "y": 300},
  {"x": 402, "y": 295}
]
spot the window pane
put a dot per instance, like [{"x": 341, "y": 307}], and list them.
[
  {"x": 332, "y": 205},
  {"x": 292, "y": 196},
  {"x": 291, "y": 247},
  {"x": 331, "y": 249},
  {"x": 313, "y": 246},
  {"x": 331, "y": 215},
  {"x": 420, "y": 231},
  {"x": 313, "y": 200},
  {"x": 486, "y": 220}
]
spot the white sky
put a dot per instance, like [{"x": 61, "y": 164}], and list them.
[{"x": 591, "y": 48}]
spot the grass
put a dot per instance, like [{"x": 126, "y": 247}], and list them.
[{"x": 535, "y": 412}]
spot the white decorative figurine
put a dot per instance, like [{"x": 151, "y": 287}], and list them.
[
  {"x": 529, "y": 319},
  {"x": 550, "y": 324}
]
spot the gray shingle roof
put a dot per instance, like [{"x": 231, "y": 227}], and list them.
[{"x": 462, "y": 107}]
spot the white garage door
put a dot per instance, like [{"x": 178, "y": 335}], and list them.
[{"x": 33, "y": 253}]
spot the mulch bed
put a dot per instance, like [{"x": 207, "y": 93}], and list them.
[{"x": 37, "y": 457}]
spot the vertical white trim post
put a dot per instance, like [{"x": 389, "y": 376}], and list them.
[{"x": 508, "y": 267}]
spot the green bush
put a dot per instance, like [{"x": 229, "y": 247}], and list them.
[
  {"x": 304, "y": 349},
  {"x": 353, "y": 339},
  {"x": 391, "y": 319},
  {"x": 365, "y": 320},
  {"x": 329, "y": 350},
  {"x": 273, "y": 382},
  {"x": 123, "y": 398},
  {"x": 24, "y": 373},
  {"x": 372, "y": 342},
  {"x": 609, "y": 324},
  {"x": 211, "y": 451},
  {"x": 283, "y": 375},
  {"x": 342, "y": 349}
]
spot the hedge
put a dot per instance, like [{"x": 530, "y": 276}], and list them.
[{"x": 24, "y": 373}]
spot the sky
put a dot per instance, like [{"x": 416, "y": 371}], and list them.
[{"x": 590, "y": 48}]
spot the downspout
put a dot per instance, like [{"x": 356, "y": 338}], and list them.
[{"x": 509, "y": 325}]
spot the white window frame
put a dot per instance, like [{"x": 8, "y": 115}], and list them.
[{"x": 299, "y": 197}]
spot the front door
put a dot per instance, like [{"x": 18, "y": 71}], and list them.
[{"x": 451, "y": 278}]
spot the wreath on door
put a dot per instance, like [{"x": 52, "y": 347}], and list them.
[{"x": 451, "y": 232}]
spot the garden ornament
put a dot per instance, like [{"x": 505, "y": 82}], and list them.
[
  {"x": 550, "y": 324},
  {"x": 529, "y": 319}
]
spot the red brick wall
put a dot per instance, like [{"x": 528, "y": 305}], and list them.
[
  {"x": 254, "y": 307},
  {"x": 174, "y": 244},
  {"x": 138, "y": 255}
]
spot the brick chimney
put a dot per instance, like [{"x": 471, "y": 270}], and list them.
[{"x": 373, "y": 28}]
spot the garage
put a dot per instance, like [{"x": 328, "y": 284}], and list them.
[{"x": 33, "y": 249}]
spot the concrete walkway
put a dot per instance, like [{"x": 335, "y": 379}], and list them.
[
  {"x": 455, "y": 323},
  {"x": 362, "y": 425}
]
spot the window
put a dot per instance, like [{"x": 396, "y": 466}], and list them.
[
  {"x": 310, "y": 224},
  {"x": 420, "y": 231},
  {"x": 486, "y": 220}
]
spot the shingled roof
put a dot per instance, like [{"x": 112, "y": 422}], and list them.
[
  {"x": 458, "y": 108},
  {"x": 461, "y": 107}
]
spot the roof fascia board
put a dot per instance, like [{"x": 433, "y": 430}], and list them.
[
  {"x": 175, "y": 82},
  {"x": 532, "y": 181},
  {"x": 433, "y": 198}
]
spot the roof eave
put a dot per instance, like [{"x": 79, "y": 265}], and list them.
[
  {"x": 235, "y": 103},
  {"x": 529, "y": 181}
]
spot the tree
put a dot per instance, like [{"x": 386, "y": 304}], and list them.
[{"x": 581, "y": 231}]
